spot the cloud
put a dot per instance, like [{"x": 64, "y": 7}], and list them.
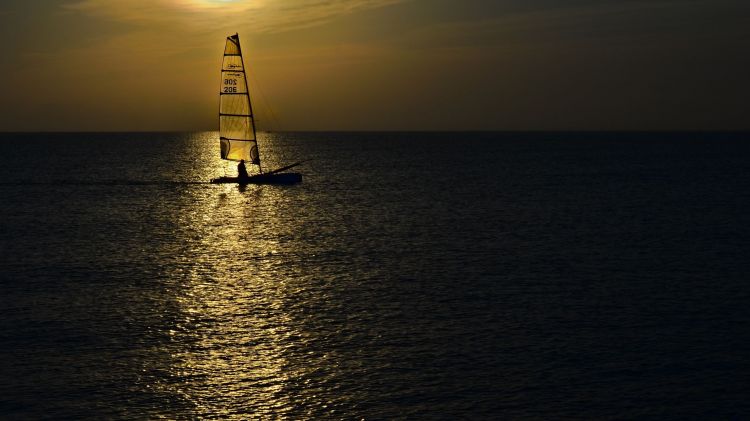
[
  {"x": 263, "y": 16},
  {"x": 635, "y": 24}
]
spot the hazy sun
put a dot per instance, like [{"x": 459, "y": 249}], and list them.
[{"x": 215, "y": 3}]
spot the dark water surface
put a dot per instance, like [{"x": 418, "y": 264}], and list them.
[{"x": 410, "y": 276}]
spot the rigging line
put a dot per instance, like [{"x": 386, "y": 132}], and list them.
[{"x": 274, "y": 118}]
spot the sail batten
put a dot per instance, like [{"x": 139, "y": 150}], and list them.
[{"x": 236, "y": 123}]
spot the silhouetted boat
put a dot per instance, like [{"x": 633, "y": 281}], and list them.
[{"x": 237, "y": 137}]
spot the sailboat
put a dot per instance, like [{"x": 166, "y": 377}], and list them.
[{"x": 237, "y": 137}]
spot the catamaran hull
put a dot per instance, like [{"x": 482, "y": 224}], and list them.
[{"x": 279, "y": 178}]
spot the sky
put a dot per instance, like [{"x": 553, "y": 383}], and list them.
[{"x": 153, "y": 65}]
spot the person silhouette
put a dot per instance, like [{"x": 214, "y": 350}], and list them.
[{"x": 241, "y": 170}]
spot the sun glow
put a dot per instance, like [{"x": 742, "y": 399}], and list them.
[{"x": 223, "y": 4}]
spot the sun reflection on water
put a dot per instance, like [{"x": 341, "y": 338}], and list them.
[{"x": 234, "y": 329}]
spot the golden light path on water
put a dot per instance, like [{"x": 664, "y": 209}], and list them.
[{"x": 234, "y": 332}]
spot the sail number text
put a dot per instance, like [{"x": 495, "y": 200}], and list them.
[{"x": 232, "y": 88}]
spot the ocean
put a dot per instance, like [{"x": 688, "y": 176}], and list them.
[{"x": 409, "y": 276}]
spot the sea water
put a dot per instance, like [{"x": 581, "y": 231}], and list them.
[{"x": 409, "y": 276}]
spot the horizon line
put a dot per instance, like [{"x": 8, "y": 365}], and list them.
[{"x": 736, "y": 131}]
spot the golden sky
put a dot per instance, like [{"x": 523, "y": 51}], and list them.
[{"x": 378, "y": 64}]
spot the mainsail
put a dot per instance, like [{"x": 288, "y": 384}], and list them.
[{"x": 236, "y": 124}]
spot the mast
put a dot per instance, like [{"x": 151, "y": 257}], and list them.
[{"x": 249, "y": 102}]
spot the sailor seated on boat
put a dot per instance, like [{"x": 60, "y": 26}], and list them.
[{"x": 241, "y": 170}]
